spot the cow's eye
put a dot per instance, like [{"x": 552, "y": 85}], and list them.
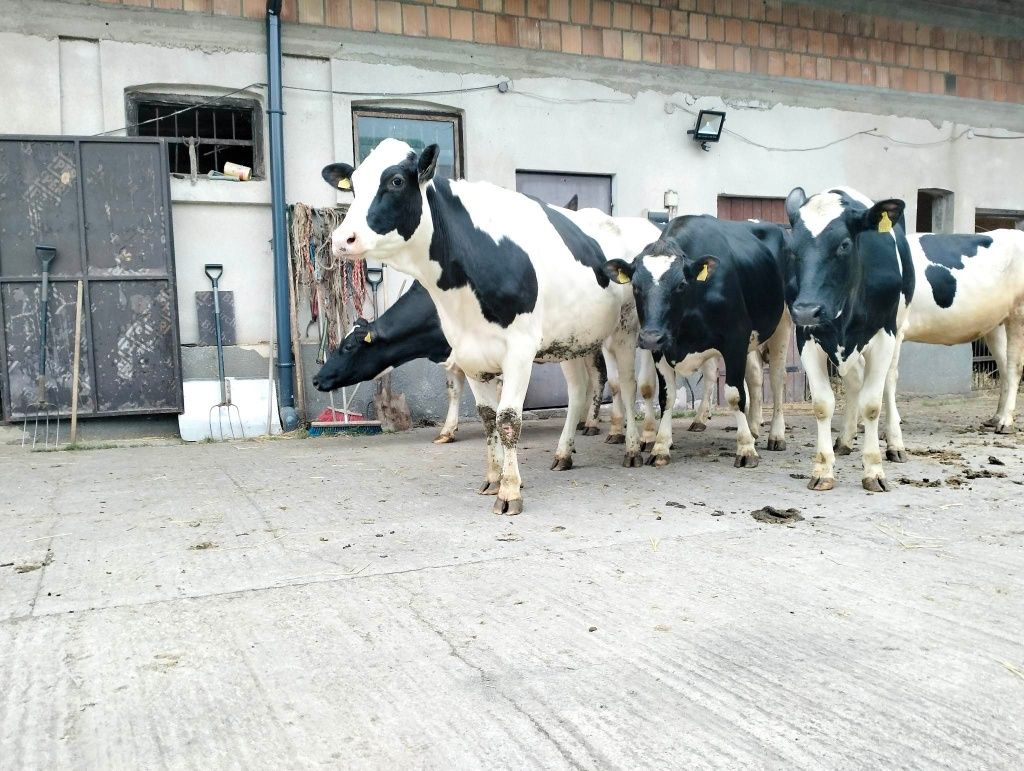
[
  {"x": 845, "y": 247},
  {"x": 397, "y": 182}
]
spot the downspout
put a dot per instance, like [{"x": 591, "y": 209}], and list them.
[{"x": 285, "y": 355}]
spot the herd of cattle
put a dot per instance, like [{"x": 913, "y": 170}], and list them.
[{"x": 504, "y": 280}]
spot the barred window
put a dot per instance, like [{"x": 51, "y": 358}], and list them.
[{"x": 229, "y": 131}]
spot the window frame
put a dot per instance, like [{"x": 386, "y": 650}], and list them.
[
  {"x": 408, "y": 113},
  {"x": 134, "y": 99}
]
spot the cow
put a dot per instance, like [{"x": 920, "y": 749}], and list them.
[
  {"x": 973, "y": 286},
  {"x": 514, "y": 281},
  {"x": 849, "y": 283},
  {"x": 712, "y": 287},
  {"x": 408, "y": 330}
]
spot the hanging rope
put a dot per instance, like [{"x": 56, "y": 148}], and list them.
[{"x": 335, "y": 289}]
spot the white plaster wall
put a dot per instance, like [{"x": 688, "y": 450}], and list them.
[{"x": 556, "y": 123}]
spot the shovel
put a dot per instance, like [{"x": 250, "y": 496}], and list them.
[{"x": 46, "y": 255}]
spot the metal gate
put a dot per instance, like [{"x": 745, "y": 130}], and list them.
[
  {"x": 104, "y": 203},
  {"x": 767, "y": 210}
]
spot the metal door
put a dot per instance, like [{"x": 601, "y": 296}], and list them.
[
  {"x": 104, "y": 203},
  {"x": 547, "y": 386}
]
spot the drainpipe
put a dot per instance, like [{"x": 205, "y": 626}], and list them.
[{"x": 285, "y": 355}]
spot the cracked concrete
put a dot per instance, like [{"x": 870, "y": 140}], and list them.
[{"x": 355, "y": 604}]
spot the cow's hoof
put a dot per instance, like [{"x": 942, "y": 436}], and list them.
[
  {"x": 746, "y": 461},
  {"x": 615, "y": 439},
  {"x": 509, "y": 508},
  {"x": 1006, "y": 428},
  {"x": 646, "y": 446},
  {"x": 776, "y": 445},
  {"x": 991, "y": 422},
  {"x": 662, "y": 459},
  {"x": 561, "y": 464},
  {"x": 897, "y": 456},
  {"x": 841, "y": 448},
  {"x": 444, "y": 439},
  {"x": 697, "y": 426},
  {"x": 632, "y": 460},
  {"x": 875, "y": 485},
  {"x": 581, "y": 426},
  {"x": 821, "y": 483},
  {"x": 489, "y": 488},
  {"x": 591, "y": 431}
]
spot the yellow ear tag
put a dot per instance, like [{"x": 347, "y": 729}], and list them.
[
  {"x": 368, "y": 338},
  {"x": 622, "y": 278},
  {"x": 344, "y": 183},
  {"x": 884, "y": 224},
  {"x": 703, "y": 275}
]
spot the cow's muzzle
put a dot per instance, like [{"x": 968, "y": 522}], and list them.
[
  {"x": 652, "y": 339},
  {"x": 807, "y": 314}
]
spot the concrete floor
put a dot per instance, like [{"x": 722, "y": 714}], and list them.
[{"x": 352, "y": 603}]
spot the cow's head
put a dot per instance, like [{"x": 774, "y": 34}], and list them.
[
  {"x": 664, "y": 281},
  {"x": 389, "y": 199},
  {"x": 831, "y": 232},
  {"x": 355, "y": 361}
]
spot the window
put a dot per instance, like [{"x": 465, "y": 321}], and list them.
[
  {"x": 230, "y": 131},
  {"x": 934, "y": 210},
  {"x": 994, "y": 219},
  {"x": 418, "y": 128}
]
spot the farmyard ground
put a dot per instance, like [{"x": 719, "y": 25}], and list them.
[{"x": 353, "y": 603}]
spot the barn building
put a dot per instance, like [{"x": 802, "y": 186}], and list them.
[{"x": 918, "y": 100}]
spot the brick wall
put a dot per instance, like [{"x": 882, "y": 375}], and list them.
[{"x": 765, "y": 37}]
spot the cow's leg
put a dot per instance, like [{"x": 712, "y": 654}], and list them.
[
  {"x": 624, "y": 351},
  {"x": 456, "y": 380},
  {"x": 894, "y": 448},
  {"x": 853, "y": 381},
  {"x": 515, "y": 373},
  {"x": 660, "y": 453},
  {"x": 1011, "y": 373},
  {"x": 576, "y": 382},
  {"x": 755, "y": 392},
  {"x": 877, "y": 360},
  {"x": 647, "y": 380},
  {"x": 824, "y": 403},
  {"x": 740, "y": 404},
  {"x": 597, "y": 377},
  {"x": 996, "y": 342},
  {"x": 615, "y": 432},
  {"x": 486, "y": 395},
  {"x": 709, "y": 378},
  {"x": 778, "y": 346}
]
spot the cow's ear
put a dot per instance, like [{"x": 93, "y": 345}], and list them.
[
  {"x": 361, "y": 322},
  {"x": 574, "y": 203},
  {"x": 338, "y": 175},
  {"x": 619, "y": 271},
  {"x": 427, "y": 164},
  {"x": 796, "y": 199},
  {"x": 884, "y": 215},
  {"x": 700, "y": 270}
]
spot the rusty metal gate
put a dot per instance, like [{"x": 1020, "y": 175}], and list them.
[{"x": 104, "y": 203}]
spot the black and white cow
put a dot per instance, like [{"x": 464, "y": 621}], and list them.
[
  {"x": 408, "y": 330},
  {"x": 970, "y": 286},
  {"x": 712, "y": 288},
  {"x": 514, "y": 281},
  {"x": 850, "y": 281}
]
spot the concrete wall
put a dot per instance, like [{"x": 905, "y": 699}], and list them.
[{"x": 69, "y": 67}]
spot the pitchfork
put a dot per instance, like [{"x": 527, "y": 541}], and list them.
[
  {"x": 46, "y": 255},
  {"x": 214, "y": 272}
]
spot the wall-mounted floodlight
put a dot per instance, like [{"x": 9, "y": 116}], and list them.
[{"x": 709, "y": 127}]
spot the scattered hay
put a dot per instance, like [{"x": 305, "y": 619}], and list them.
[{"x": 909, "y": 540}]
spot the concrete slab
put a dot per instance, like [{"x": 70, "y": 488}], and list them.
[{"x": 351, "y": 602}]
